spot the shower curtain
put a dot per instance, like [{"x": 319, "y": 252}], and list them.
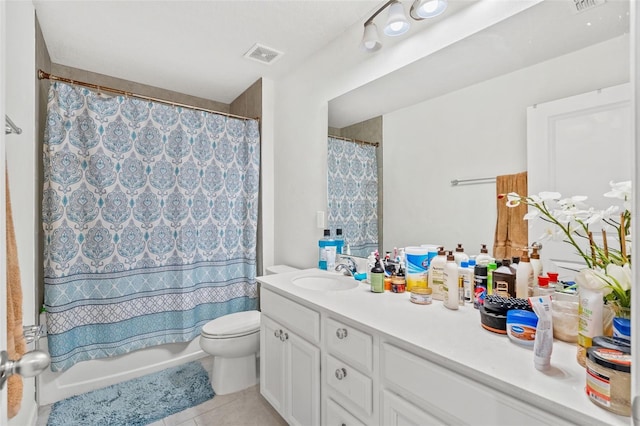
[
  {"x": 352, "y": 187},
  {"x": 150, "y": 220}
]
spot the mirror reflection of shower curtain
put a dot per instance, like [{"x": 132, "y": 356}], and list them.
[
  {"x": 352, "y": 188},
  {"x": 150, "y": 215}
]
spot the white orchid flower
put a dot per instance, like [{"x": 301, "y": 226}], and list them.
[
  {"x": 622, "y": 275},
  {"x": 593, "y": 280},
  {"x": 620, "y": 190},
  {"x": 532, "y": 214},
  {"x": 513, "y": 199},
  {"x": 577, "y": 201},
  {"x": 552, "y": 233}
]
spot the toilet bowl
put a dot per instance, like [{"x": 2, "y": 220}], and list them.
[{"x": 233, "y": 340}]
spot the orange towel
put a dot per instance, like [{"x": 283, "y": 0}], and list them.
[
  {"x": 16, "y": 345},
  {"x": 512, "y": 234}
]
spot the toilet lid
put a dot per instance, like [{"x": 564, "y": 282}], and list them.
[{"x": 236, "y": 324}]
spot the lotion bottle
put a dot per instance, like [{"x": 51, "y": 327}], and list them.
[
  {"x": 460, "y": 255},
  {"x": 436, "y": 274},
  {"x": 483, "y": 259},
  {"x": 536, "y": 263},
  {"x": 524, "y": 277},
  {"x": 451, "y": 282}
]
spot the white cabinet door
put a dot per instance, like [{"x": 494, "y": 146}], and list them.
[
  {"x": 398, "y": 412},
  {"x": 272, "y": 364},
  {"x": 289, "y": 373},
  {"x": 575, "y": 146},
  {"x": 303, "y": 381}
]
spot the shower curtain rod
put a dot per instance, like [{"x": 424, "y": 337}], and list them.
[
  {"x": 46, "y": 76},
  {"x": 376, "y": 144}
]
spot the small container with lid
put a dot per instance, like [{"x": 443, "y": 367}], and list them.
[
  {"x": 544, "y": 289},
  {"x": 421, "y": 296},
  {"x": 609, "y": 377},
  {"x": 398, "y": 282},
  {"x": 521, "y": 326}
]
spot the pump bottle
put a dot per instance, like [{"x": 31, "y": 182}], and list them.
[
  {"x": 483, "y": 259},
  {"x": 524, "y": 277},
  {"x": 536, "y": 263},
  {"x": 450, "y": 275},
  {"x": 460, "y": 255}
]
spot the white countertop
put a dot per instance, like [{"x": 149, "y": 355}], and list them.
[{"x": 456, "y": 340}]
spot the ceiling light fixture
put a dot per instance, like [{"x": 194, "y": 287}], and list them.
[
  {"x": 424, "y": 9},
  {"x": 397, "y": 22}
]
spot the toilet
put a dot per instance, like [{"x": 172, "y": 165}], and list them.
[{"x": 233, "y": 340}]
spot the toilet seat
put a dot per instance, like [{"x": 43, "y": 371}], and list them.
[{"x": 233, "y": 325}]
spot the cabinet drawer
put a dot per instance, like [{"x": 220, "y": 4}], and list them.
[
  {"x": 300, "y": 319},
  {"x": 349, "y": 344},
  {"x": 441, "y": 392},
  {"x": 350, "y": 383},
  {"x": 338, "y": 416}
]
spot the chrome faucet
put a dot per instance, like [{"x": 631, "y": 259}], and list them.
[{"x": 349, "y": 268}]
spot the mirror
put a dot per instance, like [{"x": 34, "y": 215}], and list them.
[{"x": 461, "y": 113}]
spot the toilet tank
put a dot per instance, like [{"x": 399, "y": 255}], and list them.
[{"x": 279, "y": 269}]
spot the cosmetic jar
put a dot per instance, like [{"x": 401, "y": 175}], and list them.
[
  {"x": 609, "y": 378},
  {"x": 521, "y": 326},
  {"x": 493, "y": 321},
  {"x": 421, "y": 296}
]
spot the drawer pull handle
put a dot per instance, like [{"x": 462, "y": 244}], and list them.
[
  {"x": 284, "y": 336},
  {"x": 341, "y": 373},
  {"x": 277, "y": 333},
  {"x": 341, "y": 333}
]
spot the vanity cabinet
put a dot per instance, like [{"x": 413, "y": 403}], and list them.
[
  {"x": 349, "y": 358},
  {"x": 290, "y": 364},
  {"x": 446, "y": 396}
]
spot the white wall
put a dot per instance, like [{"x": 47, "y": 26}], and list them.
[
  {"x": 21, "y": 151},
  {"x": 479, "y": 131},
  {"x": 301, "y": 117}
]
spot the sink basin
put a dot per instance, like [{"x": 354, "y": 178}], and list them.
[{"x": 325, "y": 283}]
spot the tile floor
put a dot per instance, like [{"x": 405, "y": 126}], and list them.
[{"x": 242, "y": 408}]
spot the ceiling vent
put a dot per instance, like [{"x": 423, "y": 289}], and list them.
[
  {"x": 582, "y": 5},
  {"x": 263, "y": 54}
]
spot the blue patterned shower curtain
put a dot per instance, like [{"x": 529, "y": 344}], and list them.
[
  {"x": 352, "y": 183},
  {"x": 150, "y": 220}
]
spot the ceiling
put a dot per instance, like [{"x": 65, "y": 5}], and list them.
[
  {"x": 193, "y": 47},
  {"x": 197, "y": 47},
  {"x": 547, "y": 30}
]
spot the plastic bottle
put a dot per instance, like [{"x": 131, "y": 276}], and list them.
[
  {"x": 466, "y": 276},
  {"x": 377, "y": 278},
  {"x": 553, "y": 281},
  {"x": 479, "y": 286},
  {"x": 339, "y": 241},
  {"x": 544, "y": 289},
  {"x": 325, "y": 242},
  {"x": 504, "y": 280},
  {"x": 436, "y": 274},
  {"x": 483, "y": 259},
  {"x": 460, "y": 255},
  {"x": 524, "y": 277},
  {"x": 468, "y": 289},
  {"x": 451, "y": 282},
  {"x": 491, "y": 266},
  {"x": 536, "y": 263},
  {"x": 371, "y": 262}
]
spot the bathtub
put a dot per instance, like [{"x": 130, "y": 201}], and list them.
[{"x": 94, "y": 374}]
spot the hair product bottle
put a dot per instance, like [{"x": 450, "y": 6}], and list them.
[{"x": 377, "y": 278}]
